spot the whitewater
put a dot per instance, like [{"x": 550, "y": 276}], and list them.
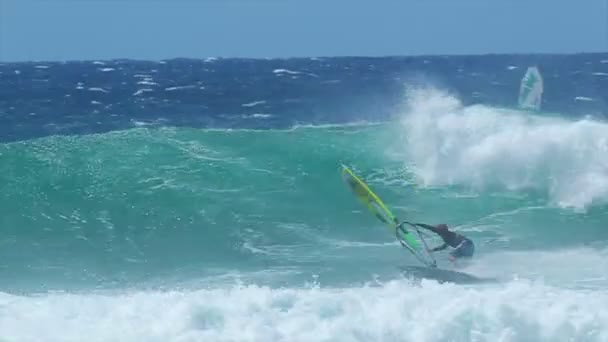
[{"x": 158, "y": 229}]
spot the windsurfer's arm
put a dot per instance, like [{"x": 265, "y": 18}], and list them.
[
  {"x": 425, "y": 226},
  {"x": 439, "y": 248}
]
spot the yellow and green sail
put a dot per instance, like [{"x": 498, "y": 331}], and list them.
[{"x": 375, "y": 205}]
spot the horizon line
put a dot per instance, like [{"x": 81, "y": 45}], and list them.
[{"x": 306, "y": 57}]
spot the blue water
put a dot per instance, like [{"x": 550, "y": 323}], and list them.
[
  {"x": 201, "y": 200},
  {"x": 40, "y": 99}
]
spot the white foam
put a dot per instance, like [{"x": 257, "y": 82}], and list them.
[
  {"x": 583, "y": 98},
  {"x": 180, "y": 88},
  {"x": 285, "y": 71},
  {"x": 354, "y": 124},
  {"x": 480, "y": 146},
  {"x": 395, "y": 311},
  {"x": 147, "y": 82},
  {"x": 106, "y": 69},
  {"x": 141, "y": 91},
  {"x": 99, "y": 63},
  {"x": 258, "y": 116},
  {"x": 261, "y": 115},
  {"x": 280, "y": 72},
  {"x": 140, "y": 123},
  {"x": 98, "y": 90},
  {"x": 41, "y": 66},
  {"x": 600, "y": 74},
  {"x": 254, "y": 103},
  {"x": 511, "y": 67}
]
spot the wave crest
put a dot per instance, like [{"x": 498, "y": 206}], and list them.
[
  {"x": 481, "y": 147},
  {"x": 394, "y": 311}
]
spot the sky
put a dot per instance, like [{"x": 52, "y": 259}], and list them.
[{"x": 57, "y": 30}]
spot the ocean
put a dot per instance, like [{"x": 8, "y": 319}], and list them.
[{"x": 202, "y": 200}]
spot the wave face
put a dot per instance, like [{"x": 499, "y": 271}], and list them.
[{"x": 234, "y": 224}]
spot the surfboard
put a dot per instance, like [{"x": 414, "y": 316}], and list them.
[
  {"x": 444, "y": 276},
  {"x": 531, "y": 90},
  {"x": 375, "y": 205}
]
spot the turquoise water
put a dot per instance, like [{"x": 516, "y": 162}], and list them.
[{"x": 189, "y": 234}]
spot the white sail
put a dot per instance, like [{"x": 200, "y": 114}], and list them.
[{"x": 531, "y": 89}]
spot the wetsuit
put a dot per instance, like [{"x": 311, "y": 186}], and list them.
[{"x": 464, "y": 247}]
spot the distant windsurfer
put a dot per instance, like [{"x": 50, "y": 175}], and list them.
[{"x": 463, "y": 246}]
